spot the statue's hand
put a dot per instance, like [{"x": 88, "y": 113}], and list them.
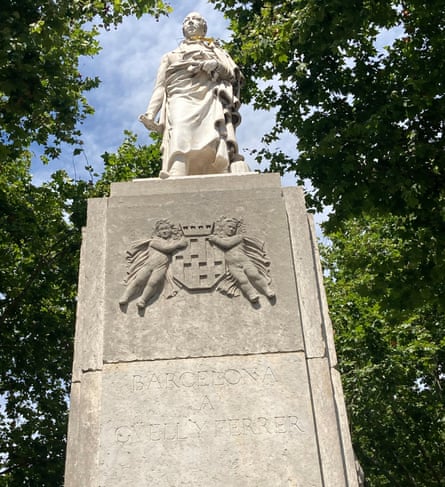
[
  {"x": 150, "y": 124},
  {"x": 182, "y": 244},
  {"x": 194, "y": 68},
  {"x": 209, "y": 66}
]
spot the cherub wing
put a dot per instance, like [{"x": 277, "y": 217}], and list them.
[
  {"x": 228, "y": 286},
  {"x": 136, "y": 257},
  {"x": 254, "y": 249}
]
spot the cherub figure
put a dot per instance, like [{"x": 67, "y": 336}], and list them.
[
  {"x": 247, "y": 263},
  {"x": 149, "y": 264}
]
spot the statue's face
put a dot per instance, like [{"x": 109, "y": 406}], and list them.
[
  {"x": 194, "y": 25},
  {"x": 164, "y": 231},
  {"x": 230, "y": 228}
]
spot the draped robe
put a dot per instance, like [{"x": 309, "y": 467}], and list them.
[{"x": 198, "y": 110}]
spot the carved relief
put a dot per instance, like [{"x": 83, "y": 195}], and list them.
[
  {"x": 200, "y": 257},
  {"x": 148, "y": 265},
  {"x": 247, "y": 262},
  {"x": 199, "y": 266}
]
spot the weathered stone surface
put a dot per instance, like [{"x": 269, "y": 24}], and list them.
[
  {"x": 202, "y": 389},
  {"x": 305, "y": 268},
  {"x": 196, "y": 184},
  {"x": 238, "y": 421},
  {"x": 353, "y": 469},
  {"x": 200, "y": 324},
  {"x": 331, "y": 453},
  {"x": 88, "y": 345},
  {"x": 83, "y": 447}
]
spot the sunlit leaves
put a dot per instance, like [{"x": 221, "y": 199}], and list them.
[
  {"x": 39, "y": 248},
  {"x": 391, "y": 346},
  {"x": 368, "y": 121},
  {"x": 130, "y": 161},
  {"x": 42, "y": 101},
  {"x": 41, "y": 89},
  {"x": 40, "y": 231}
]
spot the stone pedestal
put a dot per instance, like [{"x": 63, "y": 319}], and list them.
[{"x": 201, "y": 388}]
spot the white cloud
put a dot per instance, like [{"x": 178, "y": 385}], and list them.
[{"x": 127, "y": 66}]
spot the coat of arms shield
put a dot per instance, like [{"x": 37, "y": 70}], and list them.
[{"x": 201, "y": 265}]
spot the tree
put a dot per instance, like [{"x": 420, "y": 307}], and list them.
[
  {"x": 40, "y": 231},
  {"x": 41, "y": 89},
  {"x": 392, "y": 363},
  {"x": 130, "y": 161},
  {"x": 39, "y": 248},
  {"x": 42, "y": 101},
  {"x": 369, "y": 122},
  {"x": 369, "y": 129}
]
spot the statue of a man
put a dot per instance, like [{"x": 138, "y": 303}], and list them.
[{"x": 197, "y": 98}]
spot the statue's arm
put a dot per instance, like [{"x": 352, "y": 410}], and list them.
[
  {"x": 226, "y": 243},
  {"x": 226, "y": 66},
  {"x": 168, "y": 246},
  {"x": 157, "y": 97}
]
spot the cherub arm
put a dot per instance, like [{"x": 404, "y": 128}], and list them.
[
  {"x": 226, "y": 243},
  {"x": 168, "y": 246}
]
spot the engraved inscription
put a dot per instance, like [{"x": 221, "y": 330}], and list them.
[
  {"x": 191, "y": 428},
  {"x": 203, "y": 378},
  {"x": 248, "y": 416}
]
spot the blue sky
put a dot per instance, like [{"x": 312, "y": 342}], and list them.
[{"x": 127, "y": 67}]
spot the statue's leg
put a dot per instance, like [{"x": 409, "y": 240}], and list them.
[
  {"x": 260, "y": 282},
  {"x": 136, "y": 285},
  {"x": 151, "y": 287},
  {"x": 243, "y": 282},
  {"x": 177, "y": 168}
]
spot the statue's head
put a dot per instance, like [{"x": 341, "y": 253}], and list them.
[
  {"x": 194, "y": 25},
  {"x": 163, "y": 229},
  {"x": 226, "y": 226}
]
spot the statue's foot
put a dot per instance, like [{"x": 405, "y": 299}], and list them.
[
  {"x": 239, "y": 166},
  {"x": 141, "y": 304},
  {"x": 253, "y": 298},
  {"x": 177, "y": 169},
  {"x": 173, "y": 173},
  {"x": 270, "y": 294},
  {"x": 123, "y": 301}
]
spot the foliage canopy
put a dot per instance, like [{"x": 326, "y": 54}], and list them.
[
  {"x": 40, "y": 232},
  {"x": 392, "y": 364},
  {"x": 369, "y": 120},
  {"x": 41, "y": 89},
  {"x": 42, "y": 101},
  {"x": 369, "y": 128}
]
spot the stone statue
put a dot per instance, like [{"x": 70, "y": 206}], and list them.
[
  {"x": 149, "y": 264},
  {"x": 247, "y": 263},
  {"x": 197, "y": 98}
]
